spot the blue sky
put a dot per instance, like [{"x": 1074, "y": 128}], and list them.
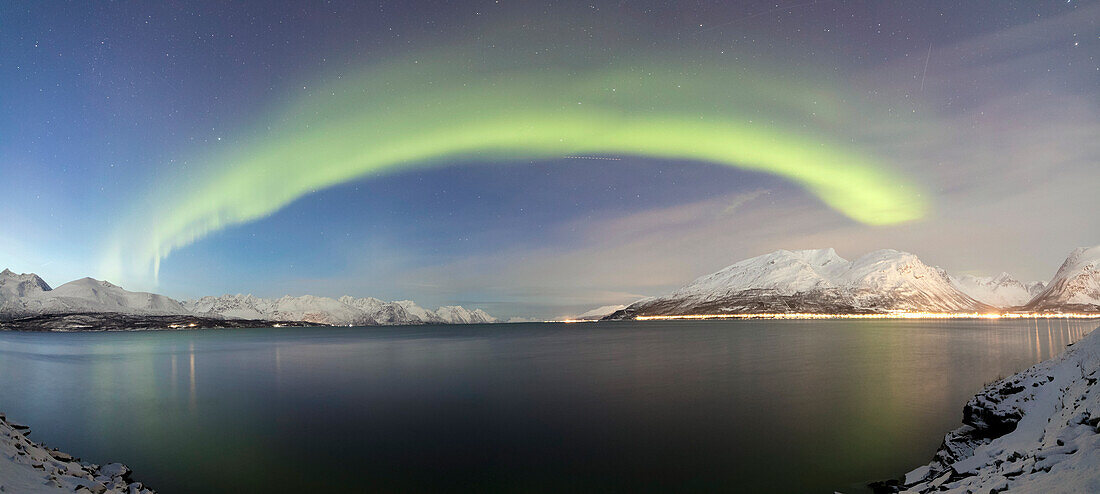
[{"x": 102, "y": 101}]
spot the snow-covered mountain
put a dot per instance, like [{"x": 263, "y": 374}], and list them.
[
  {"x": 999, "y": 291},
  {"x": 16, "y": 286},
  {"x": 342, "y": 312},
  {"x": 815, "y": 281},
  {"x": 27, "y": 295},
  {"x": 456, "y": 314},
  {"x": 103, "y": 296},
  {"x": 1076, "y": 286}
]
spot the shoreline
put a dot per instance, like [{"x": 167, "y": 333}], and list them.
[
  {"x": 29, "y": 467},
  {"x": 857, "y": 315},
  {"x": 1037, "y": 430},
  {"x": 118, "y": 322}
]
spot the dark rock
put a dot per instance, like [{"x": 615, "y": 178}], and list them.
[
  {"x": 989, "y": 421},
  {"x": 885, "y": 486}
]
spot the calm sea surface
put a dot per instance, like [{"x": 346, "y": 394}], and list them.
[{"x": 769, "y": 406}]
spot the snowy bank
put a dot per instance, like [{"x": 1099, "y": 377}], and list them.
[
  {"x": 26, "y": 467},
  {"x": 1036, "y": 431}
]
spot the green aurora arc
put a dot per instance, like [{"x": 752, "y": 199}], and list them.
[{"x": 445, "y": 109}]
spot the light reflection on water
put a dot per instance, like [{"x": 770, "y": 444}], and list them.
[{"x": 778, "y": 406}]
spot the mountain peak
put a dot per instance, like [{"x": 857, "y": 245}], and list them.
[
  {"x": 819, "y": 281},
  {"x": 1083, "y": 258},
  {"x": 15, "y": 286},
  {"x": 1076, "y": 285},
  {"x": 1002, "y": 290}
]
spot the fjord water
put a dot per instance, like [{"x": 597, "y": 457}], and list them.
[{"x": 769, "y": 406}]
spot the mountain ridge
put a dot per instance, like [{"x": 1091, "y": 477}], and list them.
[
  {"x": 28, "y": 296},
  {"x": 883, "y": 281},
  {"x": 344, "y": 311},
  {"x": 1076, "y": 285},
  {"x": 1002, "y": 290}
]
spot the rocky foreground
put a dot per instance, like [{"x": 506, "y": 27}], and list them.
[
  {"x": 1036, "y": 431},
  {"x": 26, "y": 467}
]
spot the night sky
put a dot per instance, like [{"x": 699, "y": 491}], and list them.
[{"x": 538, "y": 159}]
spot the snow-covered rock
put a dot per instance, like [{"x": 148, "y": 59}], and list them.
[
  {"x": 999, "y": 291},
  {"x": 817, "y": 281},
  {"x": 1076, "y": 286},
  {"x": 1036, "y": 431},
  {"x": 27, "y": 467}
]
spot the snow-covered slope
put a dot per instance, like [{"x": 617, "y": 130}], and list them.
[
  {"x": 456, "y": 314},
  {"x": 1076, "y": 286},
  {"x": 418, "y": 311},
  {"x": 1036, "y": 431},
  {"x": 107, "y": 297},
  {"x": 818, "y": 281},
  {"x": 32, "y": 296},
  {"x": 324, "y": 310},
  {"x": 27, "y": 467},
  {"x": 26, "y": 295},
  {"x": 15, "y": 286},
  {"x": 999, "y": 291},
  {"x": 894, "y": 280},
  {"x": 783, "y": 271},
  {"x": 596, "y": 314}
]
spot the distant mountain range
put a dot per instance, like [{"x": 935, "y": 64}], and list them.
[
  {"x": 802, "y": 281},
  {"x": 998, "y": 291},
  {"x": 820, "y": 281},
  {"x": 27, "y": 296},
  {"x": 345, "y": 311}
]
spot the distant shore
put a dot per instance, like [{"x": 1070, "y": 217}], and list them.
[
  {"x": 114, "y": 321},
  {"x": 856, "y": 315},
  {"x": 28, "y": 467},
  {"x": 1035, "y": 431}
]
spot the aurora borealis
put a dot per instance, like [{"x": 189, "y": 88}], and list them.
[
  {"x": 421, "y": 111},
  {"x": 439, "y": 152}
]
